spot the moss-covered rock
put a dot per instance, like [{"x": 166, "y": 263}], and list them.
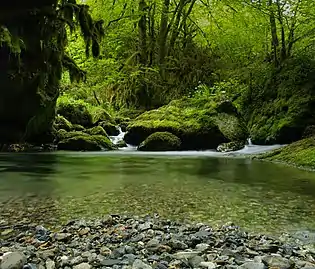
[
  {"x": 160, "y": 141},
  {"x": 284, "y": 106},
  {"x": 109, "y": 128},
  {"x": 77, "y": 127},
  {"x": 200, "y": 123},
  {"x": 97, "y": 130},
  {"x": 300, "y": 154},
  {"x": 79, "y": 141},
  {"x": 231, "y": 146},
  {"x": 62, "y": 123},
  {"x": 76, "y": 111}
]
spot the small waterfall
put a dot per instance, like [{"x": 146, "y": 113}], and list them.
[
  {"x": 119, "y": 137},
  {"x": 116, "y": 139},
  {"x": 249, "y": 142}
]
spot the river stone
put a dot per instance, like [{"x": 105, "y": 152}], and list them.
[
  {"x": 276, "y": 261},
  {"x": 110, "y": 262},
  {"x": 77, "y": 260},
  {"x": 83, "y": 265},
  {"x": 185, "y": 255},
  {"x": 138, "y": 264},
  {"x": 13, "y": 260},
  {"x": 202, "y": 247},
  {"x": 208, "y": 265},
  {"x": 50, "y": 264},
  {"x": 252, "y": 265},
  {"x": 195, "y": 261},
  {"x": 62, "y": 236},
  {"x": 105, "y": 251},
  {"x": 145, "y": 226}
]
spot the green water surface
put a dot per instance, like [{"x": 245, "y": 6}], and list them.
[{"x": 52, "y": 188}]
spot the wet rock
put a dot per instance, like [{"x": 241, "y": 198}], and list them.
[
  {"x": 30, "y": 266},
  {"x": 13, "y": 260}
]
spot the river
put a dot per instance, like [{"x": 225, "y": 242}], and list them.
[{"x": 202, "y": 187}]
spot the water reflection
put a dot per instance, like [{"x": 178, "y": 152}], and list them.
[{"x": 255, "y": 195}]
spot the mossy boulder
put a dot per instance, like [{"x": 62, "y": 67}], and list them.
[
  {"x": 231, "y": 146},
  {"x": 282, "y": 108},
  {"x": 62, "y": 123},
  {"x": 97, "y": 130},
  {"x": 200, "y": 123},
  {"x": 76, "y": 111},
  {"x": 79, "y": 141},
  {"x": 160, "y": 141},
  {"x": 110, "y": 128}
]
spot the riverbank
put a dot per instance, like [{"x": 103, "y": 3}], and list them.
[
  {"x": 145, "y": 243},
  {"x": 300, "y": 154}
]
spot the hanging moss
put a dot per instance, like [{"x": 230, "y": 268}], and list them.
[{"x": 32, "y": 53}]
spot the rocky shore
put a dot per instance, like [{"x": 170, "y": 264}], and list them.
[{"x": 145, "y": 243}]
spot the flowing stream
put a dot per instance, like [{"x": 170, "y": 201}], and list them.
[{"x": 200, "y": 186}]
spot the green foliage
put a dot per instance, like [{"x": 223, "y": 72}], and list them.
[
  {"x": 283, "y": 106},
  {"x": 160, "y": 141},
  {"x": 301, "y": 154}
]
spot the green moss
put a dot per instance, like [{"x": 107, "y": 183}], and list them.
[
  {"x": 78, "y": 127},
  {"x": 300, "y": 153},
  {"x": 84, "y": 142},
  {"x": 282, "y": 109},
  {"x": 100, "y": 114},
  {"x": 62, "y": 123},
  {"x": 76, "y": 111},
  {"x": 97, "y": 130},
  {"x": 160, "y": 141},
  {"x": 196, "y": 121},
  {"x": 231, "y": 146},
  {"x": 109, "y": 128}
]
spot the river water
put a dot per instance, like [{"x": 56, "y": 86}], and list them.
[{"x": 197, "y": 186}]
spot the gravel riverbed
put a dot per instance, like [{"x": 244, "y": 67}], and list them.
[{"x": 145, "y": 243}]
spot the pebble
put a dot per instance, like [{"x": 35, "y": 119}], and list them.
[
  {"x": 13, "y": 260},
  {"x": 119, "y": 242},
  {"x": 83, "y": 265}
]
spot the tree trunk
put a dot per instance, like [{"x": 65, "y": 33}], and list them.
[
  {"x": 142, "y": 27},
  {"x": 163, "y": 36},
  {"x": 283, "y": 53},
  {"x": 274, "y": 36}
]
